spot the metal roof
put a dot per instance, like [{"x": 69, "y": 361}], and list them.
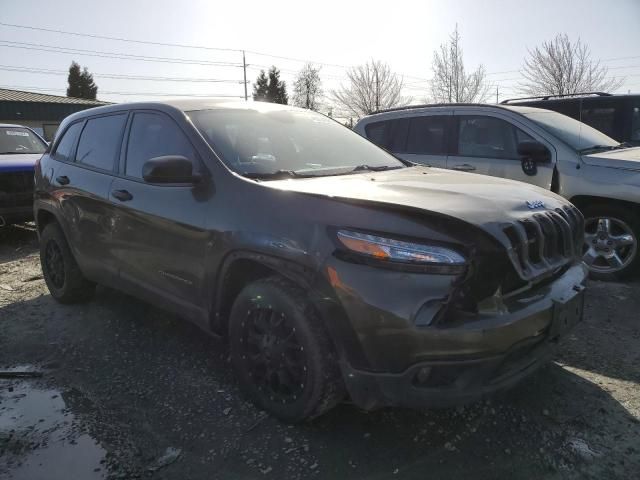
[{"x": 20, "y": 96}]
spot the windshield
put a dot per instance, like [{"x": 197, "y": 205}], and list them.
[
  {"x": 20, "y": 140},
  {"x": 578, "y": 135},
  {"x": 265, "y": 142}
]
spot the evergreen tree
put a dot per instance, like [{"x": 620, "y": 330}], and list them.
[
  {"x": 81, "y": 84},
  {"x": 90, "y": 87},
  {"x": 260, "y": 88},
  {"x": 270, "y": 88},
  {"x": 277, "y": 90},
  {"x": 75, "y": 81}
]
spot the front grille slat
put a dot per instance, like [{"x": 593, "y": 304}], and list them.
[{"x": 546, "y": 241}]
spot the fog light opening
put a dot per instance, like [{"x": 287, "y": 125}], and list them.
[{"x": 422, "y": 375}]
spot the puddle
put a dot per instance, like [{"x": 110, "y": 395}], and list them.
[{"x": 38, "y": 440}]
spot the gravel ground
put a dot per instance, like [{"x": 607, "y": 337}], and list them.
[{"x": 119, "y": 389}]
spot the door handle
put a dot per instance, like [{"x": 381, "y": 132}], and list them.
[
  {"x": 63, "y": 180},
  {"x": 122, "y": 195},
  {"x": 465, "y": 167}
]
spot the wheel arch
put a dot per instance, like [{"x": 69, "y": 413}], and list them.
[
  {"x": 43, "y": 218},
  {"x": 242, "y": 267},
  {"x": 585, "y": 201}
]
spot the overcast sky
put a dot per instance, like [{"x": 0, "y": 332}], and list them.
[{"x": 495, "y": 33}]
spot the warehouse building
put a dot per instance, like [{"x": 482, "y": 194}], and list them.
[{"x": 41, "y": 112}]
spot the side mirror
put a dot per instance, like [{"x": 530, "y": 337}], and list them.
[
  {"x": 169, "y": 169},
  {"x": 535, "y": 151}
]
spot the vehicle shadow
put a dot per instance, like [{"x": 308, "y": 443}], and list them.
[{"x": 156, "y": 381}]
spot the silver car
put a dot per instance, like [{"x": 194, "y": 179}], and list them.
[{"x": 596, "y": 173}]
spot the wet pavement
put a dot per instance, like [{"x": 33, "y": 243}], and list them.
[{"x": 39, "y": 435}]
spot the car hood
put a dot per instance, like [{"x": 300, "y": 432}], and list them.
[
  {"x": 626, "y": 158},
  {"x": 22, "y": 162},
  {"x": 484, "y": 201}
]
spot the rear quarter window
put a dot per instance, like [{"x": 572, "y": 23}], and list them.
[{"x": 377, "y": 133}]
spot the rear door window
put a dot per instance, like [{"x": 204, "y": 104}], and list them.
[
  {"x": 154, "y": 135},
  {"x": 427, "y": 135},
  {"x": 99, "y": 143},
  {"x": 64, "y": 150},
  {"x": 389, "y": 134}
]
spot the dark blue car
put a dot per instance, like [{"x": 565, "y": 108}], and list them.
[{"x": 20, "y": 149}]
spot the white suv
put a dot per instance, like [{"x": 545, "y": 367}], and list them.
[{"x": 596, "y": 173}]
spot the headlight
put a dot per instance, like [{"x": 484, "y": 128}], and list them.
[{"x": 397, "y": 250}]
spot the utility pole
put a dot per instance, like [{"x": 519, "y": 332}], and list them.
[
  {"x": 497, "y": 95},
  {"x": 244, "y": 69}
]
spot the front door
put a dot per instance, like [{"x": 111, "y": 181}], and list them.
[
  {"x": 159, "y": 234},
  {"x": 487, "y": 144}
]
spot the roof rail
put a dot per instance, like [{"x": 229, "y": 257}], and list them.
[
  {"x": 425, "y": 105},
  {"x": 548, "y": 97}
]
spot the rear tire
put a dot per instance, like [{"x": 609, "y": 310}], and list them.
[
  {"x": 611, "y": 242},
  {"x": 61, "y": 273},
  {"x": 282, "y": 353}
]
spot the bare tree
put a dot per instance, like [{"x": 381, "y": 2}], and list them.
[
  {"x": 307, "y": 88},
  {"x": 372, "y": 87},
  {"x": 450, "y": 81},
  {"x": 560, "y": 67}
]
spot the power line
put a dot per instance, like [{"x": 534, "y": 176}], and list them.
[
  {"x": 122, "y": 56},
  {"x": 164, "y": 44},
  {"x": 254, "y": 52},
  {"x": 13, "y": 68},
  {"x": 104, "y": 37},
  {"x": 151, "y": 94}
]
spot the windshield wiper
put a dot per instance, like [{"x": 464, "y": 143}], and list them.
[
  {"x": 22, "y": 152},
  {"x": 277, "y": 175},
  {"x": 600, "y": 147},
  {"x": 381, "y": 168}
]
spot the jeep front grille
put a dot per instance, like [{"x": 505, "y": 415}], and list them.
[
  {"x": 545, "y": 241},
  {"x": 16, "y": 189}
]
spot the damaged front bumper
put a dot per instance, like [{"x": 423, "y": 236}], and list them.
[{"x": 403, "y": 363}]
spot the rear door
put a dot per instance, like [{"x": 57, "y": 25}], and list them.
[
  {"x": 486, "y": 143},
  {"x": 159, "y": 234},
  {"x": 82, "y": 177}
]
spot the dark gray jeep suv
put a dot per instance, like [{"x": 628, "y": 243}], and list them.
[{"x": 332, "y": 267}]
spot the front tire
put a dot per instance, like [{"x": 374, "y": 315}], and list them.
[
  {"x": 281, "y": 352},
  {"x": 611, "y": 242},
  {"x": 61, "y": 273}
]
